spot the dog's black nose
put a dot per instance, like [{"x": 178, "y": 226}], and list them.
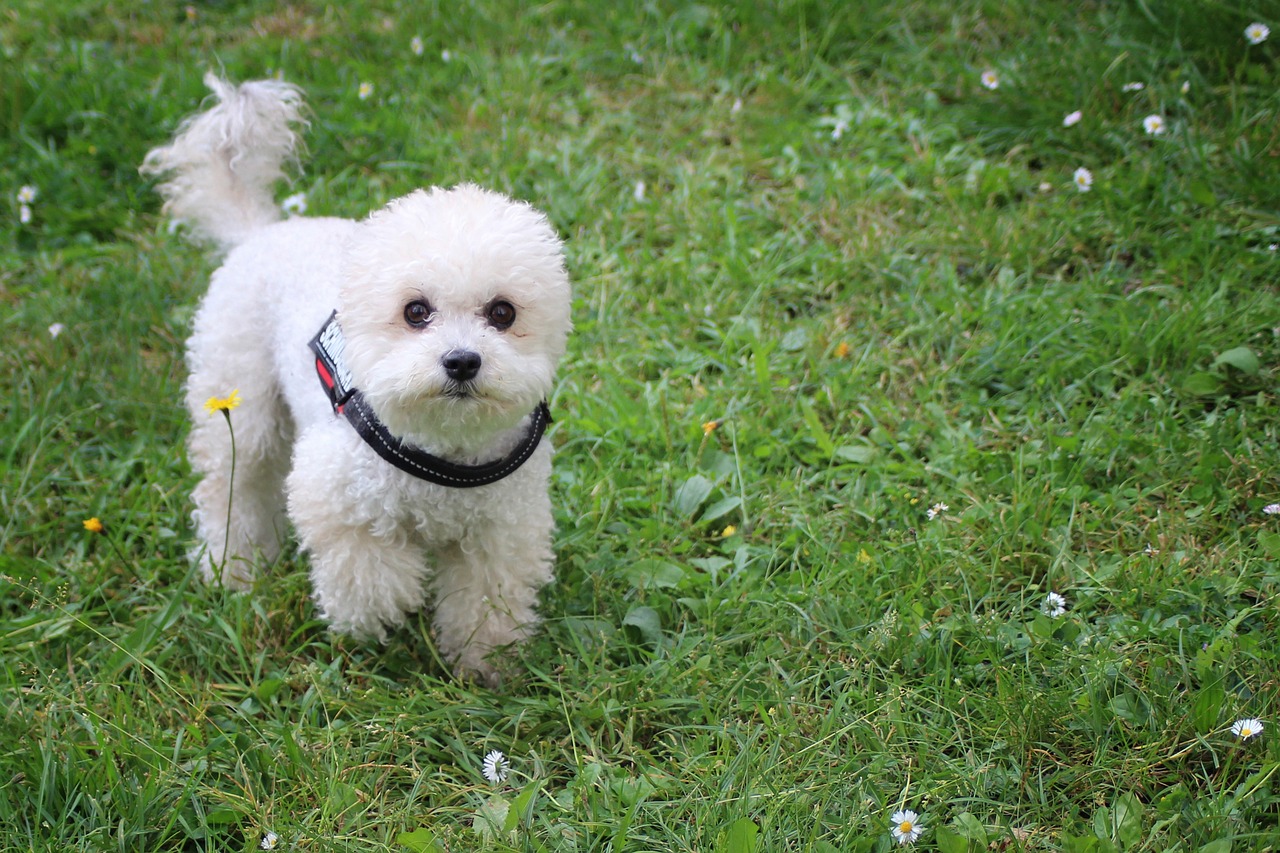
[{"x": 461, "y": 364}]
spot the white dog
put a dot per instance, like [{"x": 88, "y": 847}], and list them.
[{"x": 392, "y": 374}]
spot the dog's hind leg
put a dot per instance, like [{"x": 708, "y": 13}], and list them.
[
  {"x": 239, "y": 502},
  {"x": 241, "y": 456},
  {"x": 239, "y": 510}
]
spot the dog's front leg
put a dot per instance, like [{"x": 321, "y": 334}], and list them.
[
  {"x": 486, "y": 592},
  {"x": 367, "y": 570},
  {"x": 364, "y": 583}
]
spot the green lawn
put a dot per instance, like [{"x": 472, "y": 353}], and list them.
[{"x": 860, "y": 376}]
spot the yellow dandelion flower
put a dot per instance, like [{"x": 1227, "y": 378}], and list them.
[
  {"x": 842, "y": 350},
  {"x": 710, "y": 426},
  {"x": 222, "y": 404},
  {"x": 863, "y": 556},
  {"x": 94, "y": 525},
  {"x": 728, "y": 531}
]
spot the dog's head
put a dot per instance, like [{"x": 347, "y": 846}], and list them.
[{"x": 455, "y": 307}]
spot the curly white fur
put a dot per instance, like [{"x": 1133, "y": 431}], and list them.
[
  {"x": 381, "y": 543},
  {"x": 225, "y": 161}
]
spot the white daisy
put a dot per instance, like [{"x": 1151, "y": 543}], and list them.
[
  {"x": 1072, "y": 119},
  {"x": 1083, "y": 179},
  {"x": 1246, "y": 728},
  {"x": 1186, "y": 86},
  {"x": 1135, "y": 86},
  {"x": 1271, "y": 509},
  {"x": 295, "y": 204},
  {"x": 1153, "y": 124},
  {"x": 27, "y": 194},
  {"x": 1054, "y": 605},
  {"x": 990, "y": 80},
  {"x": 906, "y": 826},
  {"x": 1257, "y": 33},
  {"x": 269, "y": 841},
  {"x": 24, "y": 214},
  {"x": 840, "y": 120},
  {"x": 638, "y": 192},
  {"x": 416, "y": 45},
  {"x": 56, "y": 329},
  {"x": 937, "y": 510},
  {"x": 446, "y": 55},
  {"x": 495, "y": 767},
  {"x": 365, "y": 90}
]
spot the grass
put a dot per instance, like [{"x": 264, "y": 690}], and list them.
[{"x": 825, "y": 281}]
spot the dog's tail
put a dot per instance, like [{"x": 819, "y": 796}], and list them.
[{"x": 224, "y": 162}]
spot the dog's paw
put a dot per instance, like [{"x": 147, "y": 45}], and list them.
[
  {"x": 235, "y": 575},
  {"x": 486, "y": 675},
  {"x": 489, "y": 668}
]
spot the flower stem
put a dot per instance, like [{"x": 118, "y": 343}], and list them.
[{"x": 231, "y": 484}]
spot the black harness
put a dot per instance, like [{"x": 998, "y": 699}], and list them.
[{"x": 329, "y": 345}]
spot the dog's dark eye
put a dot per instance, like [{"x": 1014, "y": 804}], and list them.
[
  {"x": 501, "y": 314},
  {"x": 417, "y": 313}
]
